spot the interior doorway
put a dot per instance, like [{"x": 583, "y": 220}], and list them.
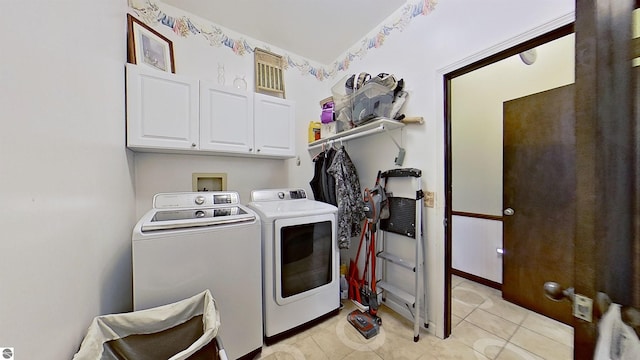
[{"x": 473, "y": 161}]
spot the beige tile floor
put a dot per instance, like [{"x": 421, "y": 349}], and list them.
[{"x": 484, "y": 327}]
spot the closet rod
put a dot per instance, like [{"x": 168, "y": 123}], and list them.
[{"x": 375, "y": 130}]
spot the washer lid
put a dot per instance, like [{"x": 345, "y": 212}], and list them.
[
  {"x": 185, "y": 218},
  {"x": 194, "y": 209}
]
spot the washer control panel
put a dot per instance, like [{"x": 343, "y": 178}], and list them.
[
  {"x": 278, "y": 194},
  {"x": 297, "y": 194},
  {"x": 188, "y": 200}
]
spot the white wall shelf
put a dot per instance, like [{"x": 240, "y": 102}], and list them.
[{"x": 374, "y": 127}]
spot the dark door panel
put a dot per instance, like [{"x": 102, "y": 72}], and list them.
[{"x": 539, "y": 186}]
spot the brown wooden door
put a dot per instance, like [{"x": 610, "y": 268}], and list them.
[
  {"x": 539, "y": 186},
  {"x": 607, "y": 245}
]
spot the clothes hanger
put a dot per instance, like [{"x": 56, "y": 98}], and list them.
[
  {"x": 329, "y": 145},
  {"x": 321, "y": 153}
]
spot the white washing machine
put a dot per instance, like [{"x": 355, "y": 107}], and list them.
[
  {"x": 190, "y": 242},
  {"x": 300, "y": 260}
]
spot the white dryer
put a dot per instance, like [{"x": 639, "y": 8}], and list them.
[
  {"x": 190, "y": 242},
  {"x": 300, "y": 260}
]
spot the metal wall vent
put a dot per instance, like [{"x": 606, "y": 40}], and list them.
[{"x": 269, "y": 73}]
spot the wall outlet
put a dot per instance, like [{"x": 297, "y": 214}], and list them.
[{"x": 429, "y": 199}]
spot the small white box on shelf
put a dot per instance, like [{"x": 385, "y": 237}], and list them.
[{"x": 329, "y": 129}]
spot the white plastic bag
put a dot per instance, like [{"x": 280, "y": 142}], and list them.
[{"x": 616, "y": 340}]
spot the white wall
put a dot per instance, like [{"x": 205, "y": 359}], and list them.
[
  {"x": 66, "y": 180},
  {"x": 157, "y": 173},
  {"x": 474, "y": 247},
  {"x": 456, "y": 30}
]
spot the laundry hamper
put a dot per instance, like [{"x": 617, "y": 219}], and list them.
[{"x": 185, "y": 329}]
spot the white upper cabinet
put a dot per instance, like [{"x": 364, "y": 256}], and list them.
[
  {"x": 274, "y": 121},
  {"x": 226, "y": 119},
  {"x": 175, "y": 114},
  {"x": 162, "y": 110}
]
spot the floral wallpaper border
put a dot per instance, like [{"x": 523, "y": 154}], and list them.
[{"x": 150, "y": 12}]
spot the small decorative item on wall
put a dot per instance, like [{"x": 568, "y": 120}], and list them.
[
  {"x": 240, "y": 83},
  {"x": 269, "y": 73},
  {"x": 147, "y": 46}
]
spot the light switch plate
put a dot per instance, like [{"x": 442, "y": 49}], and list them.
[
  {"x": 582, "y": 307},
  {"x": 429, "y": 199}
]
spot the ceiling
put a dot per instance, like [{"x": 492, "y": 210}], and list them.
[{"x": 317, "y": 30}]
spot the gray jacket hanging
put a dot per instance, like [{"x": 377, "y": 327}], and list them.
[{"x": 348, "y": 196}]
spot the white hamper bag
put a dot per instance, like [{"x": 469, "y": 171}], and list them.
[{"x": 182, "y": 330}]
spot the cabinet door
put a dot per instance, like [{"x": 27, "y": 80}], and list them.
[
  {"x": 162, "y": 110},
  {"x": 226, "y": 119},
  {"x": 274, "y": 122}
]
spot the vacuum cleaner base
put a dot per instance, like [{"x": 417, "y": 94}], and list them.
[{"x": 367, "y": 325}]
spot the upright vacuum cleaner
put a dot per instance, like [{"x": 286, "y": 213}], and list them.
[{"x": 361, "y": 290}]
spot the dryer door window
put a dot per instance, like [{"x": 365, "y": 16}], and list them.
[{"x": 304, "y": 259}]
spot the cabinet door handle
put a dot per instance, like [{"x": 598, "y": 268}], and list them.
[
  {"x": 258, "y": 150},
  {"x": 193, "y": 144},
  {"x": 250, "y": 149}
]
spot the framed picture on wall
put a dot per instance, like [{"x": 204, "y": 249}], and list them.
[{"x": 148, "y": 47}]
